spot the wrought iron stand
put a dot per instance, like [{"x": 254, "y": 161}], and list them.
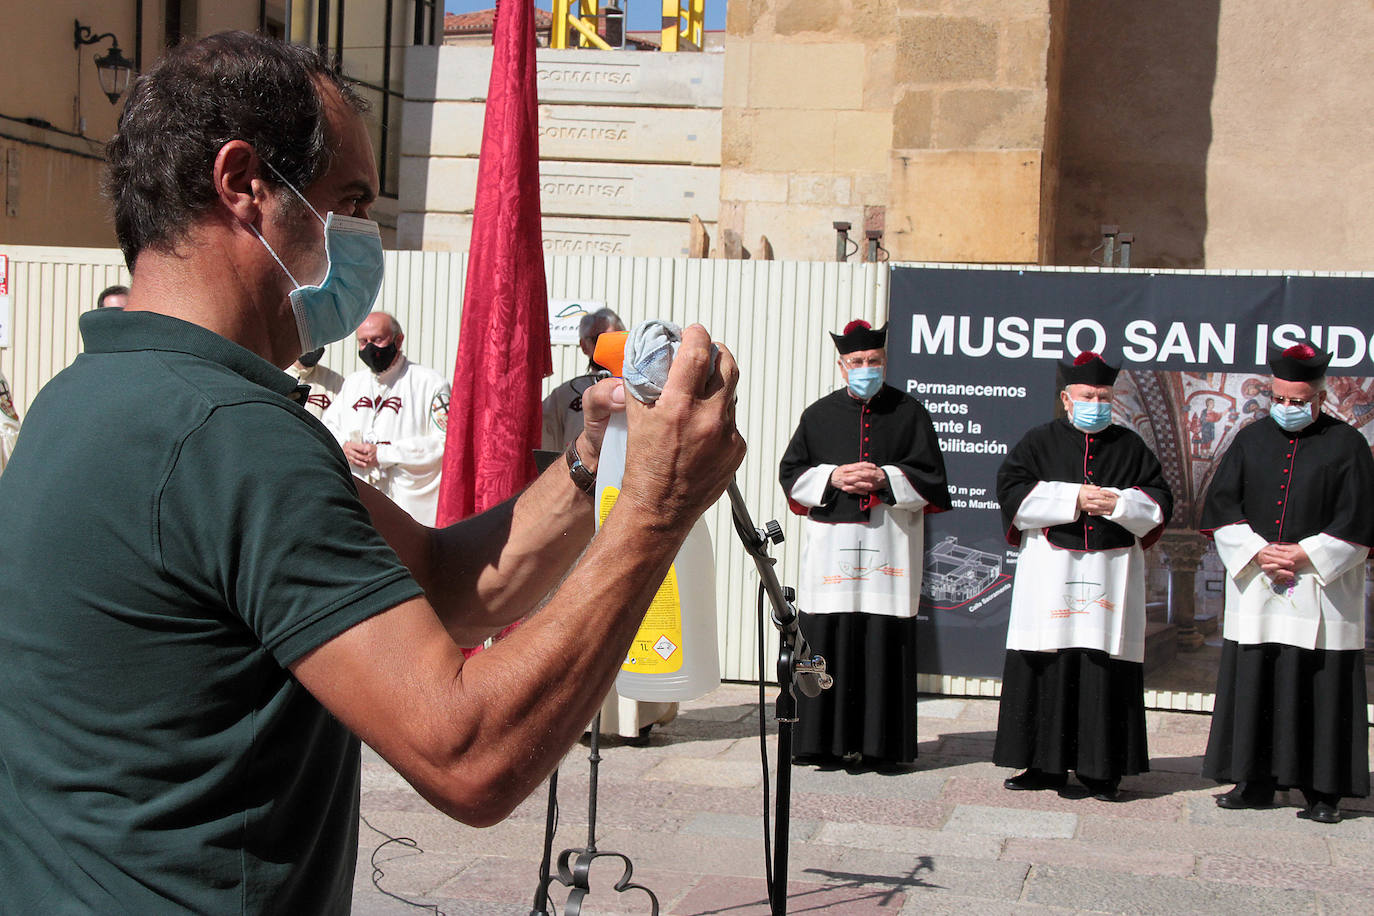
[{"x": 575, "y": 865}]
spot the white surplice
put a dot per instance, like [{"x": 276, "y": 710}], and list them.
[
  {"x": 872, "y": 567},
  {"x": 1090, "y": 599},
  {"x": 1323, "y": 608}
]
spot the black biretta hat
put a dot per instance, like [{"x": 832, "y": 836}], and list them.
[
  {"x": 859, "y": 335},
  {"x": 1088, "y": 368},
  {"x": 1299, "y": 363}
]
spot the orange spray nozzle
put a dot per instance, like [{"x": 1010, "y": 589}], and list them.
[{"x": 610, "y": 352}]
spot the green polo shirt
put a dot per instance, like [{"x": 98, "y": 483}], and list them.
[{"x": 175, "y": 531}]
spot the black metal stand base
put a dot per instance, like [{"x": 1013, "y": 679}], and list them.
[
  {"x": 575, "y": 865},
  {"x": 797, "y": 668}
]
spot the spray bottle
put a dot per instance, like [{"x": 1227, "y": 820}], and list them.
[{"x": 674, "y": 655}]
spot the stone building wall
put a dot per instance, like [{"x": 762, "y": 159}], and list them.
[
  {"x": 629, "y": 146},
  {"x": 922, "y": 118}
]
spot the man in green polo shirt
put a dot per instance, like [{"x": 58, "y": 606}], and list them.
[{"x": 201, "y": 611}]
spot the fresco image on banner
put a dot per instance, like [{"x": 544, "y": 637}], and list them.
[{"x": 980, "y": 348}]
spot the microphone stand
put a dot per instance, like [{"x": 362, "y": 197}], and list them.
[{"x": 796, "y": 667}]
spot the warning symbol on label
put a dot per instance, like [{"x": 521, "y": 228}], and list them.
[{"x": 665, "y": 648}]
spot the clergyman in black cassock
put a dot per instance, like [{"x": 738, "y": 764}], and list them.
[
  {"x": 1291, "y": 510},
  {"x": 1083, "y": 498},
  {"x": 863, "y": 466}
]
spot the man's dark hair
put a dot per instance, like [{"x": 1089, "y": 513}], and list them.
[
  {"x": 107, "y": 292},
  {"x": 198, "y": 97}
]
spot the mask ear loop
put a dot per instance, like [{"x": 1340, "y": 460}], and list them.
[
  {"x": 294, "y": 190},
  {"x": 254, "y": 229}
]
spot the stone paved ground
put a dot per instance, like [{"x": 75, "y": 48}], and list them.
[{"x": 940, "y": 837}]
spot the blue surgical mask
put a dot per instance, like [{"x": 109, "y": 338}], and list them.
[
  {"x": 865, "y": 381},
  {"x": 1091, "y": 416},
  {"x": 336, "y": 307},
  {"x": 1291, "y": 417}
]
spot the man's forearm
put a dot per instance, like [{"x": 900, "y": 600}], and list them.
[
  {"x": 494, "y": 568},
  {"x": 546, "y": 680},
  {"x": 476, "y": 736}
]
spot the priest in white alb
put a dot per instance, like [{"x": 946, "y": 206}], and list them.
[
  {"x": 864, "y": 467},
  {"x": 1291, "y": 508},
  {"x": 1084, "y": 498}
]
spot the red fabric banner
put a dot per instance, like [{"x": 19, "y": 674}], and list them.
[{"x": 494, "y": 419}]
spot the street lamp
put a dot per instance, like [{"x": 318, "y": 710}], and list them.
[{"x": 112, "y": 68}]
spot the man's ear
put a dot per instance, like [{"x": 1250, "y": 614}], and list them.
[{"x": 237, "y": 182}]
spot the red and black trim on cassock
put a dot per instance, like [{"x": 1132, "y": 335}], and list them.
[
  {"x": 1292, "y": 485},
  {"x": 1057, "y": 451},
  {"x": 890, "y": 428}
]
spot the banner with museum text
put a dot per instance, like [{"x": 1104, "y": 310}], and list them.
[{"x": 980, "y": 347}]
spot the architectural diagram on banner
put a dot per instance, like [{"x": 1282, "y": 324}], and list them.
[{"x": 956, "y": 576}]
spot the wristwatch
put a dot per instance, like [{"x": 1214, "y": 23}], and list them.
[{"x": 580, "y": 474}]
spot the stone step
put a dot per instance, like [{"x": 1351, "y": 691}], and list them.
[{"x": 1161, "y": 644}]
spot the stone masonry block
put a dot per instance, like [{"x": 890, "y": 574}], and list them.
[
  {"x": 1025, "y": 51},
  {"x": 592, "y": 189},
  {"x": 819, "y": 189},
  {"x": 737, "y": 137},
  {"x": 586, "y": 132},
  {"x": 740, "y": 18},
  {"x": 766, "y": 187},
  {"x": 735, "y": 82},
  {"x": 980, "y": 206},
  {"x": 788, "y": 141},
  {"x": 862, "y": 140},
  {"x": 873, "y": 20},
  {"x": 989, "y": 119},
  {"x": 871, "y": 189},
  {"x": 575, "y": 76},
  {"x": 798, "y": 75},
  {"x": 996, "y": 9},
  {"x": 798, "y": 233},
  {"x": 880, "y": 88},
  {"x": 942, "y": 49},
  {"x": 797, "y": 16},
  {"x": 913, "y": 120}
]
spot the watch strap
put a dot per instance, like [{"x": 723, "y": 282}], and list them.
[{"x": 580, "y": 474}]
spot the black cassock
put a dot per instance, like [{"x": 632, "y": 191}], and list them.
[
  {"x": 1076, "y": 708},
  {"x": 871, "y": 709},
  {"x": 1294, "y": 716}
]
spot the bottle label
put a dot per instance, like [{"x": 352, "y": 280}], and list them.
[{"x": 657, "y": 648}]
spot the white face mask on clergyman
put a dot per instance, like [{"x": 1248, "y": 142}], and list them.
[
  {"x": 864, "y": 381},
  {"x": 1292, "y": 417},
  {"x": 336, "y": 307},
  {"x": 1091, "y": 416}
]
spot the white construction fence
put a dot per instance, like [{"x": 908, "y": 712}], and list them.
[{"x": 773, "y": 315}]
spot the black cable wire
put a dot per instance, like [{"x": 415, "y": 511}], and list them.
[
  {"x": 763, "y": 755},
  {"x": 378, "y": 874}
]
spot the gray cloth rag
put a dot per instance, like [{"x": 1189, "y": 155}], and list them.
[{"x": 649, "y": 351}]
